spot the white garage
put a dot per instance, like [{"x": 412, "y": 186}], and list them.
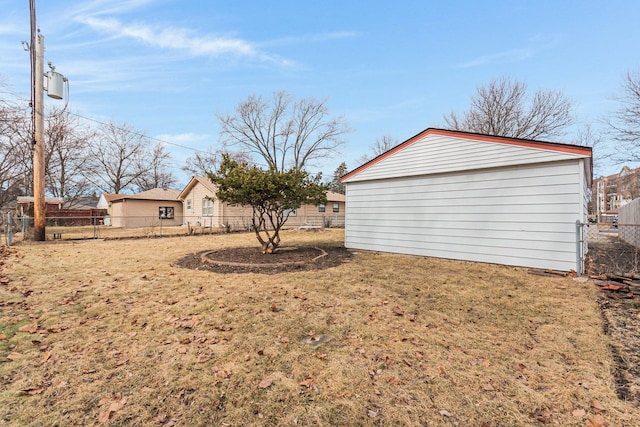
[{"x": 472, "y": 197}]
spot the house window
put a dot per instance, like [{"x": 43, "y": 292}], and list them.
[
  {"x": 322, "y": 208},
  {"x": 336, "y": 207},
  {"x": 207, "y": 207},
  {"x": 189, "y": 205},
  {"x": 289, "y": 212},
  {"x": 166, "y": 212}
]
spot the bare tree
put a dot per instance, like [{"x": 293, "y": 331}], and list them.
[
  {"x": 202, "y": 162},
  {"x": 14, "y": 141},
  {"x": 283, "y": 133},
  {"x": 158, "y": 173},
  {"x": 382, "y": 145},
  {"x": 625, "y": 125},
  {"x": 586, "y": 136},
  {"x": 502, "y": 108},
  {"x": 66, "y": 156},
  {"x": 118, "y": 158}
]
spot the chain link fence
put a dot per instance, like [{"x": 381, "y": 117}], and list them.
[
  {"x": 613, "y": 248},
  {"x": 16, "y": 229}
]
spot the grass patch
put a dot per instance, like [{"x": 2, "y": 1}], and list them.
[{"x": 127, "y": 336}]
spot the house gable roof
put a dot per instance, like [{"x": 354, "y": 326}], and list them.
[
  {"x": 158, "y": 194},
  {"x": 440, "y": 151},
  {"x": 203, "y": 180}
]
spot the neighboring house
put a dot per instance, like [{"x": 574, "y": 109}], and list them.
[
  {"x": 156, "y": 207},
  {"x": 614, "y": 191},
  {"x": 104, "y": 202},
  {"x": 473, "y": 197},
  {"x": 202, "y": 208}
]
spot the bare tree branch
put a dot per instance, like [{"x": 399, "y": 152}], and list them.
[
  {"x": 283, "y": 133},
  {"x": 625, "y": 124},
  {"x": 502, "y": 108}
]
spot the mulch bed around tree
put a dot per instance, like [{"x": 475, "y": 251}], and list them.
[{"x": 252, "y": 260}]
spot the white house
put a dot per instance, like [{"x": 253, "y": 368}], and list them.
[{"x": 472, "y": 197}]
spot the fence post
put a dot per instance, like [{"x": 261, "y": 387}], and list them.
[
  {"x": 579, "y": 247},
  {"x": 9, "y": 232}
]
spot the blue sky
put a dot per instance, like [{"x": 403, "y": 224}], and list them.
[{"x": 167, "y": 67}]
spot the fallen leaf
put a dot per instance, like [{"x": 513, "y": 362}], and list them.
[
  {"x": 579, "y": 413},
  {"x": 265, "y": 383},
  {"x": 321, "y": 356},
  {"x": 519, "y": 366},
  {"x": 222, "y": 374},
  {"x": 597, "y": 421},
  {"x": 182, "y": 350},
  {"x": 31, "y": 328},
  {"x": 308, "y": 382},
  {"x": 597, "y": 406},
  {"x": 15, "y": 355},
  {"x": 392, "y": 380},
  {"x": 284, "y": 340},
  {"x": 488, "y": 387},
  {"x": 3, "y": 337},
  {"x": 398, "y": 311},
  {"x": 190, "y": 324},
  {"x": 46, "y": 356},
  {"x": 445, "y": 413},
  {"x": 32, "y": 391},
  {"x": 203, "y": 358},
  {"x": 115, "y": 404}
]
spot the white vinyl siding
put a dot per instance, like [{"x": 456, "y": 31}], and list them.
[
  {"x": 524, "y": 215},
  {"x": 436, "y": 154}
]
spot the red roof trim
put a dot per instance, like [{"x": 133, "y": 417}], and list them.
[{"x": 563, "y": 148}]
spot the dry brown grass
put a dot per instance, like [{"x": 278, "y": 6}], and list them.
[{"x": 415, "y": 341}]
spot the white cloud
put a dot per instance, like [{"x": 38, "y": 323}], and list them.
[
  {"x": 184, "y": 138},
  {"x": 312, "y": 38},
  {"x": 500, "y": 57}
]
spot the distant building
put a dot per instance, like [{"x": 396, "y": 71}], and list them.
[{"x": 613, "y": 191}]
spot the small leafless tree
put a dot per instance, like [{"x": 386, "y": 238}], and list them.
[
  {"x": 118, "y": 158},
  {"x": 382, "y": 145},
  {"x": 158, "y": 172},
  {"x": 283, "y": 133},
  {"x": 502, "y": 108},
  {"x": 625, "y": 124}
]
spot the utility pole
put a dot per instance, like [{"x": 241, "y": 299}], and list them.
[
  {"x": 39, "y": 210},
  {"x": 54, "y": 90}
]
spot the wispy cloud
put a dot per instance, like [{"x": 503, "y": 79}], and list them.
[
  {"x": 172, "y": 38},
  {"x": 99, "y": 16},
  {"x": 108, "y": 7},
  {"x": 188, "y": 138},
  {"x": 514, "y": 55},
  {"x": 311, "y": 38}
]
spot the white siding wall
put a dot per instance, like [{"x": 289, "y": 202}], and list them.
[
  {"x": 522, "y": 215},
  {"x": 434, "y": 154}
]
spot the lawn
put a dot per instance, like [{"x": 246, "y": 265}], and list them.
[{"x": 115, "y": 332}]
